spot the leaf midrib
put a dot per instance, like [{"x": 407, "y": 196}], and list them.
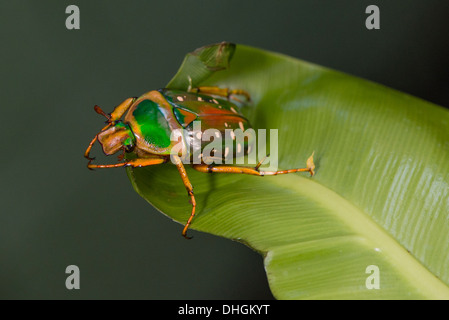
[{"x": 364, "y": 227}]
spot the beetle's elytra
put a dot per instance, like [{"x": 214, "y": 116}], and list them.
[{"x": 149, "y": 120}]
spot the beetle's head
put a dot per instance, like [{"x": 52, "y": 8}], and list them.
[
  {"x": 113, "y": 137},
  {"x": 117, "y": 137}
]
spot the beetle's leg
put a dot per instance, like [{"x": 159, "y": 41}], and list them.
[
  {"x": 86, "y": 153},
  {"x": 114, "y": 116},
  {"x": 120, "y": 110},
  {"x": 139, "y": 162},
  {"x": 121, "y": 156},
  {"x": 252, "y": 171},
  {"x": 223, "y": 92},
  {"x": 189, "y": 188}
]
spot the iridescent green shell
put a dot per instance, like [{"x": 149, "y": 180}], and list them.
[{"x": 152, "y": 123}]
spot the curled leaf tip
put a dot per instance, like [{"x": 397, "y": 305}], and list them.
[{"x": 311, "y": 164}]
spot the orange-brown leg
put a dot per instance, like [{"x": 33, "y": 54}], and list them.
[
  {"x": 222, "y": 92},
  {"x": 185, "y": 179},
  {"x": 87, "y": 152},
  {"x": 253, "y": 171},
  {"x": 120, "y": 110},
  {"x": 139, "y": 162}
]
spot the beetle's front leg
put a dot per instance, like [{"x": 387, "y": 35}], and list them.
[
  {"x": 139, "y": 162},
  {"x": 120, "y": 110},
  {"x": 222, "y": 92},
  {"x": 185, "y": 179}
]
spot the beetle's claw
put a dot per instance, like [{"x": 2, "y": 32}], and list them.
[
  {"x": 186, "y": 236},
  {"x": 89, "y": 163}
]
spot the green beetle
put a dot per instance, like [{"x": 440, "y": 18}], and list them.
[{"x": 149, "y": 123}]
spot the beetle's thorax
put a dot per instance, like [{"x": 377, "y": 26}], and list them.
[{"x": 152, "y": 122}]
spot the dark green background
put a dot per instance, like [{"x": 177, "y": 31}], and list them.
[{"x": 55, "y": 212}]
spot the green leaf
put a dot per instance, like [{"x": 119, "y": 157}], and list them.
[
  {"x": 380, "y": 195},
  {"x": 201, "y": 64}
]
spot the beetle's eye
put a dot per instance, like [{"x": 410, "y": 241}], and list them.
[{"x": 129, "y": 147}]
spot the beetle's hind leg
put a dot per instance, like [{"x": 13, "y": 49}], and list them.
[
  {"x": 223, "y": 92},
  {"x": 310, "y": 167},
  {"x": 185, "y": 179}
]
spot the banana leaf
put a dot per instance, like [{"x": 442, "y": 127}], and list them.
[{"x": 372, "y": 223}]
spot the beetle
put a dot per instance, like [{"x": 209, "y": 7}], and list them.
[{"x": 149, "y": 120}]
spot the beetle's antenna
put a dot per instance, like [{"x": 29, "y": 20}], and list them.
[{"x": 100, "y": 111}]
